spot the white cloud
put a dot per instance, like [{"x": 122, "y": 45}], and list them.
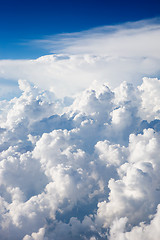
[
  {"x": 89, "y": 172},
  {"x": 123, "y": 40},
  {"x": 112, "y": 54},
  {"x": 36, "y": 236},
  {"x": 136, "y": 190},
  {"x": 142, "y": 232},
  {"x": 150, "y": 98}
]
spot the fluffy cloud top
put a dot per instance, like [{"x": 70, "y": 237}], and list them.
[{"x": 86, "y": 171}]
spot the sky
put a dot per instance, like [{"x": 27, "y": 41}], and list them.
[
  {"x": 23, "y": 21},
  {"x": 79, "y": 120}
]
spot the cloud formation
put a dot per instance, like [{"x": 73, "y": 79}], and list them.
[
  {"x": 89, "y": 170},
  {"x": 79, "y": 58}
]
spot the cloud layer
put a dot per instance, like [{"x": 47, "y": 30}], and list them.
[
  {"x": 111, "y": 54},
  {"x": 89, "y": 170}
]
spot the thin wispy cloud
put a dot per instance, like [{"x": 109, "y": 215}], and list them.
[{"x": 106, "y": 40}]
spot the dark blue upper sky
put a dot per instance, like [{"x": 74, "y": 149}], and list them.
[{"x": 23, "y": 20}]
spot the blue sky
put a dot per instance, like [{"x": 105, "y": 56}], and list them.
[{"x": 23, "y": 21}]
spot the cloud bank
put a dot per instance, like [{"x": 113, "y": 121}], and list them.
[
  {"x": 89, "y": 170},
  {"x": 111, "y": 54}
]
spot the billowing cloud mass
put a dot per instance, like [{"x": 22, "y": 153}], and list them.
[
  {"x": 112, "y": 54},
  {"x": 81, "y": 169}
]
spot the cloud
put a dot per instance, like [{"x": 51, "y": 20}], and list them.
[
  {"x": 143, "y": 231},
  {"x": 85, "y": 166},
  {"x": 85, "y": 171},
  {"x": 137, "y": 188},
  {"x": 112, "y": 54},
  {"x": 114, "y": 40},
  {"x": 8, "y": 89}
]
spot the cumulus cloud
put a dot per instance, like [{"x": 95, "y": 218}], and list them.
[
  {"x": 111, "y": 54},
  {"x": 85, "y": 171}
]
